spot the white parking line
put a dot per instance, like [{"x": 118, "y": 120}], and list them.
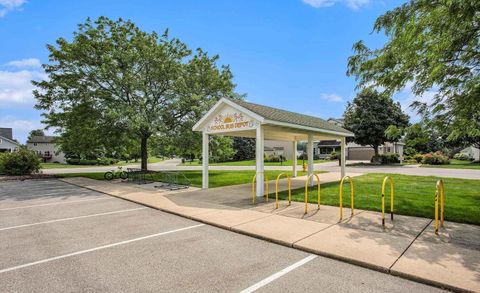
[
  {"x": 55, "y": 203},
  {"x": 96, "y": 248},
  {"x": 34, "y": 194},
  {"x": 279, "y": 274},
  {"x": 72, "y": 218}
]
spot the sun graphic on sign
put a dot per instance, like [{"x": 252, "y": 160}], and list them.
[{"x": 227, "y": 120}]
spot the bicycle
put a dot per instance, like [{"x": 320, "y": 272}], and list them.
[{"x": 115, "y": 174}]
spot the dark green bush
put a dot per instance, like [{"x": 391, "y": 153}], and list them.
[
  {"x": 303, "y": 156},
  {"x": 101, "y": 161},
  {"x": 19, "y": 162},
  {"x": 272, "y": 159},
  {"x": 386, "y": 159}
]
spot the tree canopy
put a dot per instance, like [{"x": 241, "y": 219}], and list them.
[
  {"x": 114, "y": 83},
  {"x": 432, "y": 46},
  {"x": 370, "y": 114},
  {"x": 35, "y": 132}
]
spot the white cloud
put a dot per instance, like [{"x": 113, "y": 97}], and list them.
[
  {"x": 353, "y": 4},
  {"x": 16, "y": 87},
  {"x": 332, "y": 98},
  {"x": 30, "y": 62},
  {"x": 320, "y": 3},
  {"x": 9, "y": 5},
  {"x": 356, "y": 4}
]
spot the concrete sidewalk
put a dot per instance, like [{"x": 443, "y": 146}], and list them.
[{"x": 406, "y": 247}]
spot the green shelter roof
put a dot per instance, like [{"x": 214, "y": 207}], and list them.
[{"x": 285, "y": 116}]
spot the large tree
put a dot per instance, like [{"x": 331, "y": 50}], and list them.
[
  {"x": 370, "y": 114},
  {"x": 244, "y": 148},
  {"x": 134, "y": 83},
  {"x": 433, "y": 45},
  {"x": 35, "y": 132}
]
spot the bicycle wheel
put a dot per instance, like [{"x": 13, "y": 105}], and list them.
[
  {"x": 108, "y": 175},
  {"x": 123, "y": 175}
]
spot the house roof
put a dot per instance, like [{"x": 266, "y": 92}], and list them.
[
  {"x": 42, "y": 139},
  {"x": 328, "y": 143},
  {"x": 280, "y": 115},
  {"x": 10, "y": 140}
]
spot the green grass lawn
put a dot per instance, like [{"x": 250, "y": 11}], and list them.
[
  {"x": 414, "y": 196},
  {"x": 456, "y": 164},
  {"x": 252, "y": 163},
  {"x": 216, "y": 178},
  {"x": 121, "y": 163}
]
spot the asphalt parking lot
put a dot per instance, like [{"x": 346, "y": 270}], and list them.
[{"x": 56, "y": 237}]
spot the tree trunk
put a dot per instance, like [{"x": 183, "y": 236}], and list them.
[
  {"x": 375, "y": 148},
  {"x": 144, "y": 152}
]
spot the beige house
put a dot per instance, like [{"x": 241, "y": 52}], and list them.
[
  {"x": 46, "y": 149},
  {"x": 277, "y": 148}
]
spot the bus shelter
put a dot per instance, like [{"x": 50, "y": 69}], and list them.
[{"x": 239, "y": 118}]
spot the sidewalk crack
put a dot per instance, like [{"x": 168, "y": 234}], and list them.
[{"x": 414, "y": 239}]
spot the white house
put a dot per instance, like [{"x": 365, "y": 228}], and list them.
[
  {"x": 7, "y": 143},
  {"x": 472, "y": 152},
  {"x": 46, "y": 148},
  {"x": 277, "y": 148}
]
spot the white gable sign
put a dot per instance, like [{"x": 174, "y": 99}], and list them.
[{"x": 229, "y": 119}]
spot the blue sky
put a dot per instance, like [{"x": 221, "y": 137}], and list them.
[{"x": 289, "y": 54}]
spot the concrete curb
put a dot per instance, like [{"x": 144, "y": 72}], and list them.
[{"x": 295, "y": 246}]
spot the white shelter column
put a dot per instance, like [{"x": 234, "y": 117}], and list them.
[
  {"x": 310, "y": 157},
  {"x": 294, "y": 159},
  {"x": 259, "y": 160},
  {"x": 205, "y": 158},
  {"x": 342, "y": 157}
]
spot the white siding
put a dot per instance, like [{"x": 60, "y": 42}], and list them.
[{"x": 41, "y": 148}]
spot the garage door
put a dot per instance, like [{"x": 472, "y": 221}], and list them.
[{"x": 360, "y": 153}]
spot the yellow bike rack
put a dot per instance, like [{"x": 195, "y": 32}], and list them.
[
  {"x": 352, "y": 192},
  {"x": 253, "y": 186},
  {"x": 439, "y": 192},
  {"x": 289, "y": 189},
  {"x": 391, "y": 198},
  {"x": 306, "y": 191}
]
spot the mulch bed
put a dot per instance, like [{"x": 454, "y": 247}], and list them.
[{"x": 27, "y": 177}]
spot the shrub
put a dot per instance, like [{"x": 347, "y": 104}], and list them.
[
  {"x": 303, "y": 156},
  {"x": 385, "y": 159},
  {"x": 273, "y": 159},
  {"x": 101, "y": 161},
  {"x": 1, "y": 163},
  {"x": 418, "y": 158},
  {"x": 20, "y": 162},
  {"x": 107, "y": 161},
  {"x": 437, "y": 158},
  {"x": 462, "y": 157},
  {"x": 335, "y": 155}
]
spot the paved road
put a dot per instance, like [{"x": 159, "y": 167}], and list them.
[
  {"x": 171, "y": 165},
  {"x": 55, "y": 237}
]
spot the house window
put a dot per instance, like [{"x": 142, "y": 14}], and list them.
[{"x": 35, "y": 144}]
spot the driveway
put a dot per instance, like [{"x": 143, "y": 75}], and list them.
[
  {"x": 56, "y": 237},
  {"x": 174, "y": 165}
]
